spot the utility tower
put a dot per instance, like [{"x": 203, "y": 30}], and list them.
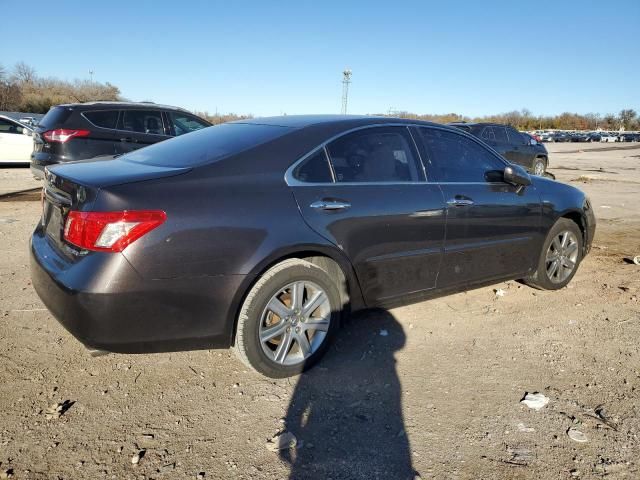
[{"x": 346, "y": 80}]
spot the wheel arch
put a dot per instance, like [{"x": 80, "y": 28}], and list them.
[
  {"x": 579, "y": 219},
  {"x": 330, "y": 259}
]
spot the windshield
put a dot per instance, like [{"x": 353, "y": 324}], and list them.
[{"x": 207, "y": 145}]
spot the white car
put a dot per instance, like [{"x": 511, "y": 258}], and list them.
[
  {"x": 607, "y": 137},
  {"x": 16, "y": 144}
]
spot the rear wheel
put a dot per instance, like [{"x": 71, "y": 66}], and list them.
[
  {"x": 561, "y": 254},
  {"x": 288, "y": 319},
  {"x": 539, "y": 167}
]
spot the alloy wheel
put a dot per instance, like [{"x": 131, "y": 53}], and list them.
[
  {"x": 538, "y": 168},
  {"x": 562, "y": 256},
  {"x": 295, "y": 323}
]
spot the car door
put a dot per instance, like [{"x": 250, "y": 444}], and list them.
[
  {"x": 522, "y": 150},
  {"x": 493, "y": 228},
  {"x": 16, "y": 144},
  {"x": 365, "y": 192},
  {"x": 139, "y": 128}
]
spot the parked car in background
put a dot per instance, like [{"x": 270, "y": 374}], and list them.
[
  {"x": 559, "y": 136},
  {"x": 30, "y": 121},
  {"x": 263, "y": 234},
  {"x": 82, "y": 131},
  {"x": 594, "y": 137},
  {"x": 630, "y": 137},
  {"x": 16, "y": 143},
  {"x": 518, "y": 148},
  {"x": 579, "y": 137},
  {"x": 608, "y": 137}
]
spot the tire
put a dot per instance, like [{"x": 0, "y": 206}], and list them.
[
  {"x": 275, "y": 291},
  {"x": 565, "y": 255},
  {"x": 539, "y": 167}
]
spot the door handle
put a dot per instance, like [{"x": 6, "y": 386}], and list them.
[
  {"x": 128, "y": 139},
  {"x": 460, "y": 202},
  {"x": 330, "y": 205}
]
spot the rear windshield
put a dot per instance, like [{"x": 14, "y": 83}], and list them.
[
  {"x": 207, "y": 145},
  {"x": 55, "y": 116}
]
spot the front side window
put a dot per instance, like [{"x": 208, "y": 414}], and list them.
[
  {"x": 183, "y": 123},
  {"x": 142, "y": 121},
  {"x": 314, "y": 169},
  {"x": 103, "y": 118},
  {"x": 457, "y": 158},
  {"x": 378, "y": 154},
  {"x": 9, "y": 127}
]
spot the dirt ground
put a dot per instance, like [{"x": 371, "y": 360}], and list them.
[{"x": 432, "y": 389}]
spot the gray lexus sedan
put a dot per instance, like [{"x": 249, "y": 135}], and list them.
[{"x": 262, "y": 235}]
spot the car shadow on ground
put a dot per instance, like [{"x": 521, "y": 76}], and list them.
[{"x": 347, "y": 411}]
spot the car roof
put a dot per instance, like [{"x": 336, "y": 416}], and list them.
[
  {"x": 115, "y": 104},
  {"x": 301, "y": 121}
]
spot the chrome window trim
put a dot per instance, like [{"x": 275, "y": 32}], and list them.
[{"x": 291, "y": 181}]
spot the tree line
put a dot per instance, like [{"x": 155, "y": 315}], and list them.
[
  {"x": 23, "y": 90},
  {"x": 525, "y": 120}
]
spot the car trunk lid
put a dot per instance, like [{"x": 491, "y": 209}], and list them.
[{"x": 76, "y": 185}]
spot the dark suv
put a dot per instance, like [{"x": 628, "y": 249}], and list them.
[
  {"x": 81, "y": 131},
  {"x": 513, "y": 145}
]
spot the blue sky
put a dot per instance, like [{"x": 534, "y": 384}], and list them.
[{"x": 273, "y": 57}]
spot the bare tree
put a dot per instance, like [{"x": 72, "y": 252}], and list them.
[
  {"x": 628, "y": 118},
  {"x": 23, "y": 73}
]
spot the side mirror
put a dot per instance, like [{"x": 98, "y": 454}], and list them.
[
  {"x": 26, "y": 131},
  {"x": 533, "y": 142},
  {"x": 516, "y": 175}
]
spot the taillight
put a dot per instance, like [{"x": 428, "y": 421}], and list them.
[
  {"x": 110, "y": 231},
  {"x": 61, "y": 135}
]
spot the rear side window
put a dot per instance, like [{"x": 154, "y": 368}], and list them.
[
  {"x": 103, "y": 118},
  {"x": 488, "y": 134},
  {"x": 382, "y": 154},
  {"x": 314, "y": 169},
  {"x": 456, "y": 158},
  {"x": 183, "y": 123},
  {"x": 516, "y": 137},
  {"x": 142, "y": 121},
  {"x": 501, "y": 134},
  {"x": 55, "y": 117},
  {"x": 207, "y": 145}
]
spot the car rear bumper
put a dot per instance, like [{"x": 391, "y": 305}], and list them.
[{"x": 102, "y": 301}]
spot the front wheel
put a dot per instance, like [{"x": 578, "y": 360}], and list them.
[
  {"x": 288, "y": 319},
  {"x": 561, "y": 254},
  {"x": 539, "y": 167}
]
